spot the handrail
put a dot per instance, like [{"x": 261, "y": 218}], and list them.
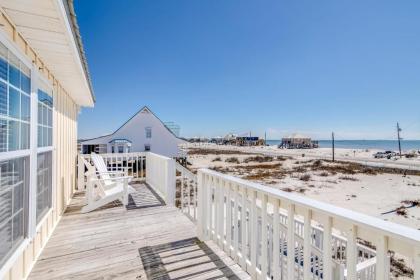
[
  {"x": 394, "y": 230},
  {"x": 221, "y": 196}
]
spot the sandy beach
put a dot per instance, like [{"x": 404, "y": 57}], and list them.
[{"x": 387, "y": 189}]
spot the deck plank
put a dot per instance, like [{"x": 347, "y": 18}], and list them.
[{"x": 154, "y": 242}]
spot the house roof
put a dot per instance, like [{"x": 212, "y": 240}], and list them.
[
  {"x": 50, "y": 29},
  {"x": 144, "y": 108},
  {"x": 297, "y": 136}
]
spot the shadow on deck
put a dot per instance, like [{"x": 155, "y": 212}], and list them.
[{"x": 151, "y": 241}]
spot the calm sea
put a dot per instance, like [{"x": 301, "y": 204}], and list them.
[{"x": 365, "y": 144}]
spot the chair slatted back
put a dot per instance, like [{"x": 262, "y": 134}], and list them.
[
  {"x": 100, "y": 165},
  {"x": 91, "y": 173}
]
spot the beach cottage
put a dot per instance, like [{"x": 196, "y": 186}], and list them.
[
  {"x": 141, "y": 133},
  {"x": 44, "y": 80},
  {"x": 298, "y": 141},
  {"x": 176, "y": 223}
]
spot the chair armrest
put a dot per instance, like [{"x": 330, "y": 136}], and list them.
[{"x": 113, "y": 179}]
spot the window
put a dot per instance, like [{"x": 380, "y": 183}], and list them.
[
  {"x": 44, "y": 184},
  {"x": 45, "y": 105},
  {"x": 148, "y": 132},
  {"x": 15, "y": 105},
  {"x": 147, "y": 147},
  {"x": 14, "y": 189},
  {"x": 120, "y": 149}
]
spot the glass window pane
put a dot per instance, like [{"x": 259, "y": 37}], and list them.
[
  {"x": 3, "y": 69},
  {"x": 40, "y": 113},
  {"x": 24, "y": 136},
  {"x": 44, "y": 115},
  {"x": 39, "y": 136},
  {"x": 6, "y": 239},
  {"x": 44, "y": 184},
  {"x": 14, "y": 76},
  {"x": 26, "y": 107},
  {"x": 14, "y": 186},
  {"x": 18, "y": 227},
  {"x": 13, "y": 135},
  {"x": 50, "y": 137},
  {"x": 6, "y": 210},
  {"x": 14, "y": 103},
  {"x": 49, "y": 117},
  {"x": 44, "y": 136},
  {"x": 3, "y": 98},
  {"x": 25, "y": 83},
  {"x": 3, "y": 135}
]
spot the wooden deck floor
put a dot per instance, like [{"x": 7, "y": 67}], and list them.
[{"x": 155, "y": 242}]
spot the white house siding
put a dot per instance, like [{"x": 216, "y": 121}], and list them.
[
  {"x": 162, "y": 142},
  {"x": 65, "y": 114}
]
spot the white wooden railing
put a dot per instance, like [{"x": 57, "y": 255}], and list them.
[
  {"x": 187, "y": 192},
  {"x": 132, "y": 163},
  {"x": 160, "y": 175},
  {"x": 244, "y": 217}
]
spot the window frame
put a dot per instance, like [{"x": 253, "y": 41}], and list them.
[
  {"x": 148, "y": 132},
  {"x": 10, "y": 155},
  {"x": 44, "y": 85}
]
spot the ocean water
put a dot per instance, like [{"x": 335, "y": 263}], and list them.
[{"x": 392, "y": 145}]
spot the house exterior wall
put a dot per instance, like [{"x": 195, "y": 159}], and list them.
[
  {"x": 64, "y": 153},
  {"x": 162, "y": 142}
]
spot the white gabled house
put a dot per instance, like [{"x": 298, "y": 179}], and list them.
[{"x": 142, "y": 132}]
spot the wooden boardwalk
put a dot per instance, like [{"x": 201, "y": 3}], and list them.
[{"x": 153, "y": 242}]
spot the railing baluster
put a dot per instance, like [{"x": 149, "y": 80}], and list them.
[
  {"x": 209, "y": 207},
  {"x": 187, "y": 180},
  {"x": 307, "y": 246},
  {"x": 351, "y": 252},
  {"x": 264, "y": 251},
  {"x": 228, "y": 218},
  {"x": 182, "y": 193},
  {"x": 236, "y": 223},
  {"x": 254, "y": 235},
  {"x": 276, "y": 240},
  {"x": 243, "y": 228},
  {"x": 215, "y": 208},
  {"x": 221, "y": 217},
  {"x": 291, "y": 241},
  {"x": 326, "y": 250}
]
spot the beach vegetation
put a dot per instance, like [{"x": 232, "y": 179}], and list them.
[
  {"x": 305, "y": 177},
  {"x": 232, "y": 160},
  {"x": 217, "y": 159}
]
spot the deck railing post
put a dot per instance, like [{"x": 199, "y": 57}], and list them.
[
  {"x": 170, "y": 181},
  {"x": 80, "y": 173},
  {"x": 201, "y": 206},
  {"x": 382, "y": 259}
]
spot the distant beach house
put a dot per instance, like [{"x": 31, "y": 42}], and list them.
[
  {"x": 298, "y": 141},
  {"x": 142, "y": 132}
]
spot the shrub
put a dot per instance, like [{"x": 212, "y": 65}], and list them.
[
  {"x": 324, "y": 174},
  {"x": 217, "y": 159},
  {"x": 348, "y": 178},
  {"x": 258, "y": 159},
  {"x": 305, "y": 177},
  {"x": 232, "y": 160}
]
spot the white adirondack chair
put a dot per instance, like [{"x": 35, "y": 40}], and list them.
[
  {"x": 100, "y": 193},
  {"x": 106, "y": 175}
]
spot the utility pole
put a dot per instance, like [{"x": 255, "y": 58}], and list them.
[
  {"x": 399, "y": 138},
  {"x": 265, "y": 138},
  {"x": 333, "y": 148}
]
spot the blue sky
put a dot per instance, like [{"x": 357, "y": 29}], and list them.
[{"x": 219, "y": 66}]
